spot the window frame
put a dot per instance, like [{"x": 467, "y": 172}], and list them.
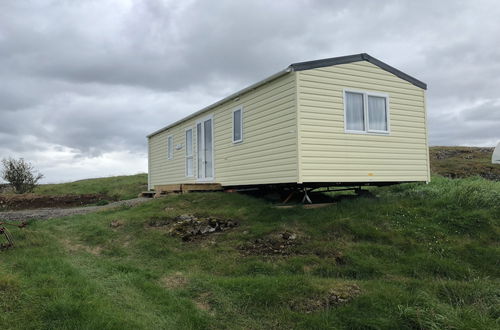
[
  {"x": 239, "y": 108},
  {"x": 187, "y": 156},
  {"x": 366, "y": 112},
  {"x": 170, "y": 149}
]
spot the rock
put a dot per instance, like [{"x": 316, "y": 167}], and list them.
[
  {"x": 188, "y": 226},
  {"x": 115, "y": 224}
]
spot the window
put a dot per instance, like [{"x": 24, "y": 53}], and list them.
[
  {"x": 354, "y": 111},
  {"x": 238, "y": 125},
  {"x": 377, "y": 113},
  {"x": 189, "y": 152},
  {"x": 170, "y": 147},
  {"x": 366, "y": 112}
]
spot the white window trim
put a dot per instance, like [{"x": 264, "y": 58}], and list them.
[
  {"x": 170, "y": 151},
  {"x": 192, "y": 153},
  {"x": 366, "y": 113},
  {"x": 241, "y": 125}
]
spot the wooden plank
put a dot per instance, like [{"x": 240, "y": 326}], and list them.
[
  {"x": 168, "y": 187},
  {"x": 186, "y": 187}
]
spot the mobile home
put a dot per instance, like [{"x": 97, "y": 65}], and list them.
[{"x": 350, "y": 120}]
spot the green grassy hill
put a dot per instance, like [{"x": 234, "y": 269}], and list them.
[
  {"x": 462, "y": 162},
  {"x": 415, "y": 257},
  {"x": 116, "y": 187}
]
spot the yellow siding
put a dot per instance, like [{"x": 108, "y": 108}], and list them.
[
  {"x": 268, "y": 153},
  {"x": 328, "y": 154}
]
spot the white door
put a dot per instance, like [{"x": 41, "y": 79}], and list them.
[{"x": 205, "y": 149}]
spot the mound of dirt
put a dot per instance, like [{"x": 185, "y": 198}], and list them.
[
  {"x": 189, "y": 227},
  {"x": 330, "y": 299},
  {"x": 283, "y": 243},
  {"x": 33, "y": 201}
]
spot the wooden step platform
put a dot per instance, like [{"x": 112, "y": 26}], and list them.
[{"x": 185, "y": 188}]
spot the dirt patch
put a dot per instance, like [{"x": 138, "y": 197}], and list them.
[
  {"x": 336, "y": 255},
  {"x": 289, "y": 243},
  {"x": 116, "y": 223},
  {"x": 33, "y": 201},
  {"x": 283, "y": 243},
  {"x": 50, "y": 213},
  {"x": 202, "y": 303},
  {"x": 72, "y": 247},
  {"x": 330, "y": 299},
  {"x": 190, "y": 227},
  {"x": 176, "y": 280}
]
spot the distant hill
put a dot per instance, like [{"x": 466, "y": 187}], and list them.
[
  {"x": 462, "y": 162},
  {"x": 116, "y": 187}
]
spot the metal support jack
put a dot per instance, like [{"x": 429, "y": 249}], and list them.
[{"x": 306, "y": 197}]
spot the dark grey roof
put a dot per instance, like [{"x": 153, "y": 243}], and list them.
[{"x": 356, "y": 58}]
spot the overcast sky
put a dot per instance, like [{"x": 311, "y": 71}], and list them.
[{"x": 83, "y": 82}]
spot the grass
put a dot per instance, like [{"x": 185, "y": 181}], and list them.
[
  {"x": 423, "y": 256},
  {"x": 116, "y": 187}
]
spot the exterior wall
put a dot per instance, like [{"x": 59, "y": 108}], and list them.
[
  {"x": 328, "y": 154},
  {"x": 268, "y": 153}
]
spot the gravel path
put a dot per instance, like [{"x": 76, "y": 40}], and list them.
[{"x": 50, "y": 213}]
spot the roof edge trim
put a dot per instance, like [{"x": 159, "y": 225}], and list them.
[
  {"x": 224, "y": 100},
  {"x": 301, "y": 66}
]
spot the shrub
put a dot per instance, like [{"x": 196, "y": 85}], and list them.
[{"x": 20, "y": 175}]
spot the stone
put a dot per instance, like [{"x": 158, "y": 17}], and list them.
[{"x": 115, "y": 224}]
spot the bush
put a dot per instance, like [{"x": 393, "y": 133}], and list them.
[{"x": 20, "y": 175}]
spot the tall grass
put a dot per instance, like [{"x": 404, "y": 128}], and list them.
[{"x": 474, "y": 192}]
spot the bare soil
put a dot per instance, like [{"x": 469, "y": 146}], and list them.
[
  {"x": 284, "y": 243},
  {"x": 57, "y": 212},
  {"x": 34, "y": 201},
  {"x": 330, "y": 299}
]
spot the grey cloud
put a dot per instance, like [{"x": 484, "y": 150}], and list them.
[{"x": 85, "y": 80}]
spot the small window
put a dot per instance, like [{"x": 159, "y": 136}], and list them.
[
  {"x": 238, "y": 125},
  {"x": 354, "y": 111},
  {"x": 366, "y": 112},
  {"x": 170, "y": 147},
  {"x": 377, "y": 113},
  {"x": 189, "y": 152}
]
